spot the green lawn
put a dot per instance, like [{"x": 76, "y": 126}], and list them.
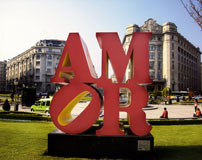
[
  {"x": 28, "y": 140},
  {"x": 176, "y": 142}
]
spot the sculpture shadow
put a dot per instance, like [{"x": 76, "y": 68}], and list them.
[{"x": 179, "y": 152}]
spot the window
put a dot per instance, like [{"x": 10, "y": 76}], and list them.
[
  {"x": 37, "y": 78},
  {"x": 152, "y": 38},
  {"x": 38, "y": 57},
  {"x": 159, "y": 75},
  {"x": 48, "y": 103},
  {"x": 152, "y": 75},
  {"x": 159, "y": 48},
  {"x": 38, "y": 63},
  {"x": 43, "y": 103},
  {"x": 151, "y": 65},
  {"x": 172, "y": 75},
  {"x": 38, "y": 71},
  {"x": 159, "y": 38},
  {"x": 49, "y": 57},
  {"x": 49, "y": 63},
  {"x": 50, "y": 44},
  {"x": 173, "y": 65},
  {"x": 172, "y": 46},
  {"x": 151, "y": 47},
  {"x": 49, "y": 49},
  {"x": 159, "y": 65},
  {"x": 173, "y": 55},
  {"x": 159, "y": 55},
  {"x": 49, "y": 70},
  {"x": 151, "y": 55}
]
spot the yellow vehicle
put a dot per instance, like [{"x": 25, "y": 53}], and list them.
[{"x": 42, "y": 105}]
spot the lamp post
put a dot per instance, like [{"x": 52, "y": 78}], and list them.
[{"x": 15, "y": 98}]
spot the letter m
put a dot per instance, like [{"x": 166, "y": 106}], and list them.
[{"x": 138, "y": 53}]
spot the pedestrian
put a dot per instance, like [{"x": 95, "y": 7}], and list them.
[
  {"x": 12, "y": 97},
  {"x": 164, "y": 114},
  {"x": 198, "y": 113},
  {"x": 195, "y": 105}
]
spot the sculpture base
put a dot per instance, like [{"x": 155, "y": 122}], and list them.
[{"x": 97, "y": 146}]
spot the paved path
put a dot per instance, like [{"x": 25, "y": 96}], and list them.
[
  {"x": 155, "y": 111},
  {"x": 174, "y": 111}
]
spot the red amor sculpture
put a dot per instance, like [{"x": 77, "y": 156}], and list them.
[{"x": 75, "y": 67}]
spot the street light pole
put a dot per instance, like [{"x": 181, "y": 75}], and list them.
[{"x": 15, "y": 98}]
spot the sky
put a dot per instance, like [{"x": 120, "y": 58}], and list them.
[{"x": 24, "y": 22}]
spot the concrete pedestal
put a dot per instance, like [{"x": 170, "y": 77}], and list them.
[{"x": 96, "y": 146}]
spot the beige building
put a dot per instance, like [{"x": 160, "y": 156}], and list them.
[
  {"x": 35, "y": 66},
  {"x": 173, "y": 61},
  {"x": 3, "y": 76}
]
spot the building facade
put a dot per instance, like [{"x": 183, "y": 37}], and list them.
[
  {"x": 173, "y": 61},
  {"x": 3, "y": 76},
  {"x": 35, "y": 66}
]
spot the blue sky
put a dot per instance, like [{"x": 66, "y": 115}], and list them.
[{"x": 24, "y": 22}]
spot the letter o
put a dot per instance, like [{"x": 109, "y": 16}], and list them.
[{"x": 65, "y": 100}]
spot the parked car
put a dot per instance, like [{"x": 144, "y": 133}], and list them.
[
  {"x": 42, "y": 105},
  {"x": 41, "y": 94}
]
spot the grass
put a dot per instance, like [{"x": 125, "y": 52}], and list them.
[
  {"x": 28, "y": 140},
  {"x": 25, "y": 140},
  {"x": 178, "y": 142},
  {"x": 22, "y": 115}
]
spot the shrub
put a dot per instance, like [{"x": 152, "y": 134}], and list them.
[{"x": 6, "y": 106}]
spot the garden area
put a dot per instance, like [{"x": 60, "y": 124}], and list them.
[
  {"x": 25, "y": 136},
  {"x": 167, "y": 97},
  {"x": 28, "y": 140}
]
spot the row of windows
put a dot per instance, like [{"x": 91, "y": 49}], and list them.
[
  {"x": 49, "y": 63},
  {"x": 153, "y": 47},
  {"x": 187, "y": 46},
  {"x": 186, "y": 63},
  {"x": 158, "y": 38},
  {"x": 49, "y": 70},
  {"x": 152, "y": 75},
  {"x": 152, "y": 63},
  {"x": 186, "y": 54},
  {"x": 48, "y": 51},
  {"x": 37, "y": 77},
  {"x": 50, "y": 57},
  {"x": 152, "y": 55}
]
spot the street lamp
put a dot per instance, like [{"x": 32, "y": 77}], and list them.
[
  {"x": 15, "y": 98},
  {"x": 15, "y": 84}
]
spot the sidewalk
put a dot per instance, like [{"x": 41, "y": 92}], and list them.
[
  {"x": 155, "y": 111},
  {"x": 152, "y": 112},
  {"x": 174, "y": 111}
]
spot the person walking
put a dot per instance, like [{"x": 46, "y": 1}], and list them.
[{"x": 195, "y": 105}]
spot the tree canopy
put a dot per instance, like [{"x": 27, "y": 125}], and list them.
[{"x": 194, "y": 8}]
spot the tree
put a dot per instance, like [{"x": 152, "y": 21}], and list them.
[
  {"x": 166, "y": 92},
  {"x": 6, "y": 106},
  {"x": 194, "y": 8},
  {"x": 156, "y": 93}
]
